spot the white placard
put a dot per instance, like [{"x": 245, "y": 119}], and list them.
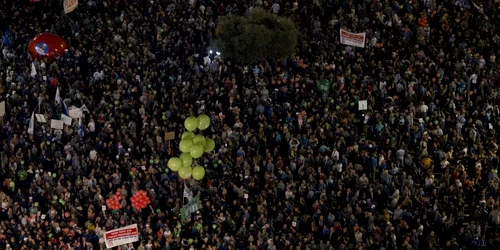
[
  {"x": 40, "y": 118},
  {"x": 43, "y": 216},
  {"x": 2, "y": 109},
  {"x": 66, "y": 119},
  {"x": 56, "y": 124},
  {"x": 103, "y": 208},
  {"x": 363, "y": 105},
  {"x": 245, "y": 196},
  {"x": 75, "y": 113}
]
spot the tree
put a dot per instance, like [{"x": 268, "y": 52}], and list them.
[{"x": 260, "y": 36}]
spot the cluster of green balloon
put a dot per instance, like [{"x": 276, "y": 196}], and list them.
[{"x": 192, "y": 146}]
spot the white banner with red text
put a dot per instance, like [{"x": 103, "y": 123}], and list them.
[
  {"x": 121, "y": 236},
  {"x": 352, "y": 39}
]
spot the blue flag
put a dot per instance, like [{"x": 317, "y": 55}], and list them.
[{"x": 6, "y": 39}]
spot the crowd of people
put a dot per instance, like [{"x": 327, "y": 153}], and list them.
[{"x": 294, "y": 168}]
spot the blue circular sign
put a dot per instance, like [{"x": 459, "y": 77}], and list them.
[{"x": 42, "y": 49}]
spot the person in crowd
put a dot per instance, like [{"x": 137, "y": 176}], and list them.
[{"x": 293, "y": 168}]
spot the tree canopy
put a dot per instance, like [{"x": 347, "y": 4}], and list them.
[{"x": 259, "y": 36}]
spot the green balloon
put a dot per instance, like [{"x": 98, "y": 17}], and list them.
[
  {"x": 203, "y": 122},
  {"x": 185, "y": 173},
  {"x": 209, "y": 145},
  {"x": 185, "y": 145},
  {"x": 174, "y": 164},
  {"x": 187, "y": 135},
  {"x": 191, "y": 123},
  {"x": 187, "y": 160},
  {"x": 196, "y": 151},
  {"x": 199, "y": 139},
  {"x": 190, "y": 241},
  {"x": 198, "y": 173}
]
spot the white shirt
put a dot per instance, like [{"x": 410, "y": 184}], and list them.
[
  {"x": 335, "y": 155},
  {"x": 428, "y": 182},
  {"x": 339, "y": 167},
  {"x": 482, "y": 62},
  {"x": 91, "y": 126},
  {"x": 473, "y": 78},
  {"x": 207, "y": 60},
  {"x": 400, "y": 153},
  {"x": 98, "y": 75},
  {"x": 423, "y": 108}
]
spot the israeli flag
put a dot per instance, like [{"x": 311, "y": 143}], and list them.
[{"x": 81, "y": 133}]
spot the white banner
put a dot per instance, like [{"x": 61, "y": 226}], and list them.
[
  {"x": 352, "y": 39},
  {"x": 121, "y": 236},
  {"x": 70, "y": 5},
  {"x": 75, "y": 113}
]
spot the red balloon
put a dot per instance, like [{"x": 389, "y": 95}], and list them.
[{"x": 47, "y": 46}]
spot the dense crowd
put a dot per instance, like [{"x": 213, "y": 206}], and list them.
[{"x": 293, "y": 168}]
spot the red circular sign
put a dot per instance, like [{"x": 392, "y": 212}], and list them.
[{"x": 47, "y": 45}]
